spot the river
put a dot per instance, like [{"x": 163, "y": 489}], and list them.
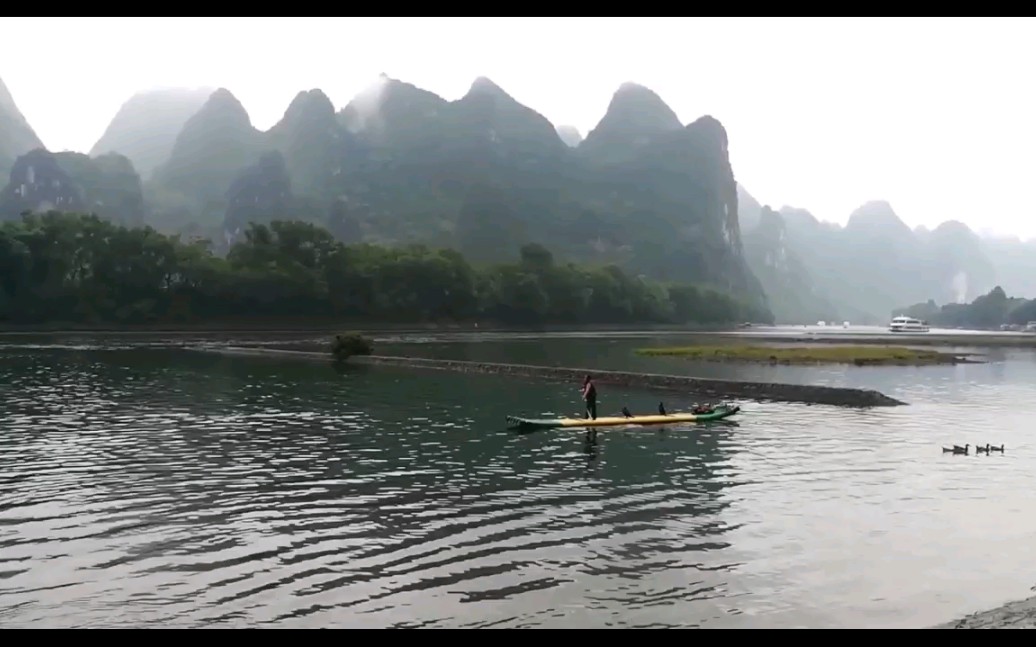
[{"x": 145, "y": 485}]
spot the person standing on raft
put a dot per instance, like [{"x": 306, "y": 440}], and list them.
[{"x": 590, "y": 396}]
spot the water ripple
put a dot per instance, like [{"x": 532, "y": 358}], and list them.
[{"x": 139, "y": 485}]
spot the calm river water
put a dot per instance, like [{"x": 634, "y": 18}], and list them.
[{"x": 145, "y": 485}]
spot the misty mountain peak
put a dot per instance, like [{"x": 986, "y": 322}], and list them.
[
  {"x": 954, "y": 227},
  {"x": 390, "y": 104},
  {"x": 392, "y": 89},
  {"x": 638, "y": 105},
  {"x": 629, "y": 87},
  {"x": 222, "y": 118},
  {"x": 877, "y": 214},
  {"x": 493, "y": 116},
  {"x": 309, "y": 140},
  {"x": 310, "y": 99},
  {"x": 875, "y": 209},
  {"x": 213, "y": 145},
  {"x": 635, "y": 116},
  {"x": 955, "y": 235},
  {"x": 570, "y": 135},
  {"x": 224, "y": 104},
  {"x": 630, "y": 91},
  {"x": 310, "y": 104},
  {"x": 878, "y": 218},
  {"x": 710, "y": 128},
  {"x": 482, "y": 85},
  {"x": 146, "y": 125}
]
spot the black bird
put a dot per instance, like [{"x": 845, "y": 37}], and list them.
[
  {"x": 979, "y": 449},
  {"x": 661, "y": 409},
  {"x": 626, "y": 412},
  {"x": 994, "y": 448},
  {"x": 957, "y": 449}
]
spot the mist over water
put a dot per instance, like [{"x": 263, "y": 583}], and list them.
[{"x": 143, "y": 485}]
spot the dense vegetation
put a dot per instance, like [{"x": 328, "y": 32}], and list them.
[
  {"x": 989, "y": 311},
  {"x": 349, "y": 345},
  {"x": 75, "y": 268}
]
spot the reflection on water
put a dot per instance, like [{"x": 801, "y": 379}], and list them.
[{"x": 177, "y": 489}]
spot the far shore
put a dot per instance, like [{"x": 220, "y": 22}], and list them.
[
  {"x": 792, "y": 335},
  {"x": 268, "y": 325},
  {"x": 963, "y": 340},
  {"x": 858, "y": 355}
]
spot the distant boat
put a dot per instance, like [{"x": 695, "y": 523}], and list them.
[{"x": 908, "y": 324}]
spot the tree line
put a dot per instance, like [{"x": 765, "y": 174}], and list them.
[
  {"x": 65, "y": 268},
  {"x": 989, "y": 311}
]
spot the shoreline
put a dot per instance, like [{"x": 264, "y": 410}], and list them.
[
  {"x": 759, "y": 391},
  {"x": 317, "y": 326},
  {"x": 809, "y": 355},
  {"x": 289, "y": 326},
  {"x": 973, "y": 340},
  {"x": 1018, "y": 614}
]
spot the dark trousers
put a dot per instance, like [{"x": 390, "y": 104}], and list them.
[{"x": 591, "y": 409}]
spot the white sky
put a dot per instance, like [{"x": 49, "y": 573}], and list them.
[{"x": 935, "y": 115}]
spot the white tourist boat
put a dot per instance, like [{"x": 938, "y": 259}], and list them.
[{"x": 908, "y": 324}]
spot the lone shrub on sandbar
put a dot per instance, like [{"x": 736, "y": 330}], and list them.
[{"x": 349, "y": 344}]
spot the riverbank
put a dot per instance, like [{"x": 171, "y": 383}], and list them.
[
  {"x": 791, "y": 336},
  {"x": 696, "y": 334},
  {"x": 861, "y": 355},
  {"x": 1020, "y": 614},
  {"x": 330, "y": 325},
  {"x": 723, "y": 389}
]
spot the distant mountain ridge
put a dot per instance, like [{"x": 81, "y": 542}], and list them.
[
  {"x": 145, "y": 127},
  {"x": 887, "y": 264},
  {"x": 106, "y": 185},
  {"x": 485, "y": 174}
]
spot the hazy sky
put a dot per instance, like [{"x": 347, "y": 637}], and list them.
[{"x": 935, "y": 115}]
